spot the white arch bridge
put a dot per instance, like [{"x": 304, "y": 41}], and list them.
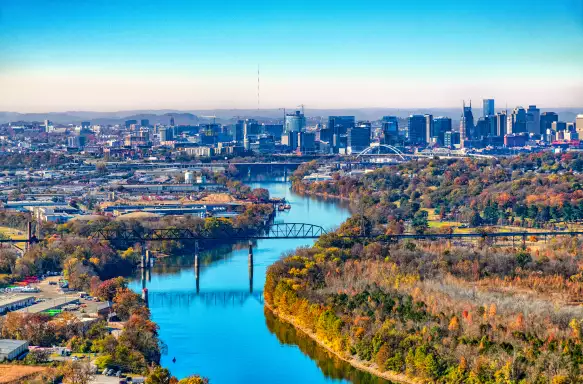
[{"x": 384, "y": 150}]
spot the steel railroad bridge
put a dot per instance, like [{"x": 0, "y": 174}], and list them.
[{"x": 282, "y": 231}]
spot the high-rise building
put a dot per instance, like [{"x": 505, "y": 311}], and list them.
[
  {"x": 488, "y": 109},
  {"x": 547, "y": 119},
  {"x": 172, "y": 121},
  {"x": 85, "y": 124},
  {"x": 357, "y": 139},
  {"x": 251, "y": 130},
  {"x": 145, "y": 122},
  {"x": 166, "y": 134},
  {"x": 428, "y": 127},
  {"x": 441, "y": 125},
  {"x": 306, "y": 142},
  {"x": 579, "y": 124},
  {"x": 450, "y": 139},
  {"x": 416, "y": 129},
  {"x": 533, "y": 120},
  {"x": 486, "y": 127},
  {"x": 467, "y": 128},
  {"x": 558, "y": 126},
  {"x": 295, "y": 122},
  {"x": 274, "y": 130},
  {"x": 501, "y": 123},
  {"x": 340, "y": 124},
  {"x": 517, "y": 121},
  {"x": 390, "y": 126},
  {"x": 129, "y": 123},
  {"x": 239, "y": 131}
]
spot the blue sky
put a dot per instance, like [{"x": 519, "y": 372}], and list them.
[{"x": 103, "y": 55}]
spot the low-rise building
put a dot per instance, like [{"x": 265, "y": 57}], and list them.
[
  {"x": 14, "y": 303},
  {"x": 11, "y": 349}
]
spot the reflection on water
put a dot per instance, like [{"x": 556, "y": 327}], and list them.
[
  {"x": 330, "y": 365},
  {"x": 214, "y": 325}
]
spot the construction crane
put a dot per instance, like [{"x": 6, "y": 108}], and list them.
[
  {"x": 283, "y": 109},
  {"x": 213, "y": 117},
  {"x": 302, "y": 105}
]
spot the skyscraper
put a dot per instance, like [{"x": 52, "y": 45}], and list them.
[
  {"x": 416, "y": 129},
  {"x": 547, "y": 119},
  {"x": 441, "y": 125},
  {"x": 428, "y": 128},
  {"x": 579, "y": 125},
  {"x": 172, "y": 121},
  {"x": 468, "y": 119},
  {"x": 533, "y": 120},
  {"x": 166, "y": 134},
  {"x": 488, "y": 108},
  {"x": 358, "y": 138},
  {"x": 239, "y": 131},
  {"x": 501, "y": 123},
  {"x": 390, "y": 126},
  {"x": 517, "y": 121},
  {"x": 295, "y": 122},
  {"x": 340, "y": 124}
]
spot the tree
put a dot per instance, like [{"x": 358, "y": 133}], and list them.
[
  {"x": 125, "y": 302},
  {"x": 196, "y": 379},
  {"x": 382, "y": 357},
  {"x": 76, "y": 372},
  {"x": 159, "y": 375},
  {"x": 260, "y": 194},
  {"x": 476, "y": 219},
  {"x": 37, "y": 356},
  {"x": 420, "y": 223}
]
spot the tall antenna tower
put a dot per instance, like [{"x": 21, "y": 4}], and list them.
[{"x": 258, "y": 87}]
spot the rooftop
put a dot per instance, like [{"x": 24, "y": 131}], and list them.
[{"x": 8, "y": 345}]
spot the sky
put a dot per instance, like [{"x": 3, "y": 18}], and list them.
[{"x": 106, "y": 55}]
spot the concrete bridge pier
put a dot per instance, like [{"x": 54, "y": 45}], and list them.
[
  {"x": 145, "y": 295},
  {"x": 148, "y": 259},
  {"x": 250, "y": 260},
  {"x": 196, "y": 266}
]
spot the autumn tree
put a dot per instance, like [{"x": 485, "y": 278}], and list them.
[
  {"x": 196, "y": 379},
  {"x": 76, "y": 372}
]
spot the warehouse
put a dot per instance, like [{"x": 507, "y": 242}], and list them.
[
  {"x": 11, "y": 349},
  {"x": 13, "y": 303}
]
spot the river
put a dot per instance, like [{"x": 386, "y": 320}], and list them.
[{"x": 223, "y": 332}]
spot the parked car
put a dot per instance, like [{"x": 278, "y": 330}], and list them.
[{"x": 118, "y": 374}]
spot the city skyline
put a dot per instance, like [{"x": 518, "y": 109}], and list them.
[{"x": 100, "y": 56}]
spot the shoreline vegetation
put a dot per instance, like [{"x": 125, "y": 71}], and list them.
[
  {"x": 435, "y": 312},
  {"x": 391, "y": 376},
  {"x": 99, "y": 268}
]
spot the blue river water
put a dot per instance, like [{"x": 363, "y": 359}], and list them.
[{"x": 223, "y": 332}]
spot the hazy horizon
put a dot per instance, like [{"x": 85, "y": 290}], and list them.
[{"x": 183, "y": 55}]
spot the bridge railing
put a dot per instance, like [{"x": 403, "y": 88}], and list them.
[{"x": 274, "y": 231}]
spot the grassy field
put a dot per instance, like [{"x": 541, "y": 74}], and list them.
[
  {"x": 18, "y": 373},
  {"x": 14, "y": 234}
]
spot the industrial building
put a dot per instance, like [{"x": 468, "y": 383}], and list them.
[
  {"x": 13, "y": 303},
  {"x": 11, "y": 349}
]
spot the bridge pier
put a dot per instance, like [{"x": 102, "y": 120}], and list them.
[
  {"x": 148, "y": 259},
  {"x": 196, "y": 266},
  {"x": 524, "y": 241},
  {"x": 250, "y": 261},
  {"x": 145, "y": 296}
]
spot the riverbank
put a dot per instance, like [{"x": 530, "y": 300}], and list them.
[
  {"x": 388, "y": 375},
  {"x": 196, "y": 328}
]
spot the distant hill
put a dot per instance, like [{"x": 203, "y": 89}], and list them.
[{"x": 229, "y": 115}]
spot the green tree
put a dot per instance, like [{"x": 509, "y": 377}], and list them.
[{"x": 420, "y": 223}]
